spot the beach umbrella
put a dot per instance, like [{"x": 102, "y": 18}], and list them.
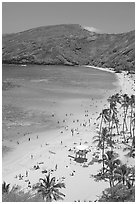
[{"x": 82, "y": 147}]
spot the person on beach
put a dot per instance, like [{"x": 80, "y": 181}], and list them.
[
  {"x": 66, "y": 128},
  {"x": 72, "y": 174},
  {"x": 20, "y": 177},
  {"x": 26, "y": 173},
  {"x": 72, "y": 132},
  {"x": 29, "y": 184},
  {"x": 56, "y": 167}
]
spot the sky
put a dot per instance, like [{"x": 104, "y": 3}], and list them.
[{"x": 107, "y": 17}]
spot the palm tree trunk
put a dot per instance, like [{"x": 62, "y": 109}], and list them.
[
  {"x": 117, "y": 127},
  {"x": 103, "y": 148},
  {"x": 131, "y": 122},
  {"x": 109, "y": 118},
  {"x": 123, "y": 180},
  {"x": 101, "y": 125},
  {"x": 125, "y": 119},
  {"x": 111, "y": 135},
  {"x": 124, "y": 124},
  {"x": 116, "y": 123},
  {"x": 112, "y": 179},
  {"x": 124, "y": 129},
  {"x": 110, "y": 183},
  {"x": 133, "y": 131}
]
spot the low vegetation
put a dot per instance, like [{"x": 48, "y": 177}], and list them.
[
  {"x": 118, "y": 193},
  {"x": 18, "y": 195},
  {"x": 48, "y": 190}
]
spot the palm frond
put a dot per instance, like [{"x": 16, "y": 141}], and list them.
[{"x": 59, "y": 185}]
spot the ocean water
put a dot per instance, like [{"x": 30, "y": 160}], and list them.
[
  {"x": 78, "y": 81},
  {"x": 44, "y": 90}
]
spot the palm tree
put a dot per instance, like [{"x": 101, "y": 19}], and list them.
[
  {"x": 104, "y": 115},
  {"x": 121, "y": 174},
  {"x": 131, "y": 176},
  {"x": 111, "y": 163},
  {"x": 101, "y": 139},
  {"x": 125, "y": 175},
  {"x": 132, "y": 106},
  {"x": 49, "y": 189},
  {"x": 113, "y": 112},
  {"x": 133, "y": 124},
  {"x": 5, "y": 187},
  {"x": 131, "y": 149},
  {"x": 97, "y": 139},
  {"x": 117, "y": 98},
  {"x": 125, "y": 104},
  {"x": 111, "y": 142}
]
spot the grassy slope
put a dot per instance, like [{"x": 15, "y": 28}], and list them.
[{"x": 70, "y": 45}]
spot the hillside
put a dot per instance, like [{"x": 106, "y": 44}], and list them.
[{"x": 69, "y": 45}]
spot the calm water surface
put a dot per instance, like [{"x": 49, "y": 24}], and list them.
[
  {"x": 62, "y": 76},
  {"x": 49, "y": 89}
]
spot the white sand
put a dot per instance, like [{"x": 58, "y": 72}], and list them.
[
  {"x": 49, "y": 150},
  {"x": 100, "y": 68},
  {"x": 126, "y": 83}
]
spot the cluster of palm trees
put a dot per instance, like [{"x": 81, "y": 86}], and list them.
[
  {"x": 112, "y": 132},
  {"x": 115, "y": 172},
  {"x": 110, "y": 123},
  {"x": 121, "y": 179},
  {"x": 47, "y": 189}
]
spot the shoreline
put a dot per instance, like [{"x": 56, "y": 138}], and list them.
[
  {"x": 126, "y": 81},
  {"x": 100, "y": 68},
  {"x": 20, "y": 162}
]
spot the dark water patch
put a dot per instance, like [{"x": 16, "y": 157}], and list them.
[
  {"x": 7, "y": 85},
  {"x": 11, "y": 113},
  {"x": 6, "y": 150},
  {"x": 18, "y": 122}
]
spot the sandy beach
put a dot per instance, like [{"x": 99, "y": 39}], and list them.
[{"x": 51, "y": 148}]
